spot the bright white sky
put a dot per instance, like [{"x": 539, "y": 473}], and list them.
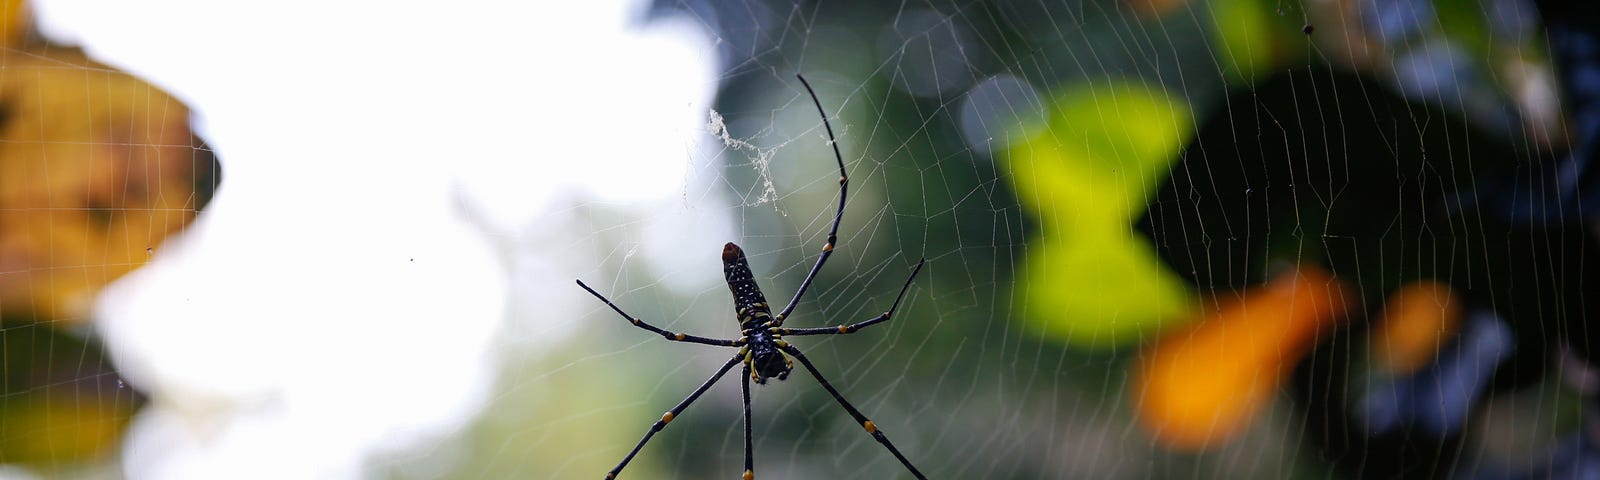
[{"x": 333, "y": 301}]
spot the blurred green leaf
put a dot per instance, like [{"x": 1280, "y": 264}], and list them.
[
  {"x": 1255, "y": 37},
  {"x": 1090, "y": 281}
]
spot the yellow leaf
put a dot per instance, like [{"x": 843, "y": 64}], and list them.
[
  {"x": 1100, "y": 291},
  {"x": 96, "y": 168},
  {"x": 1090, "y": 280}
]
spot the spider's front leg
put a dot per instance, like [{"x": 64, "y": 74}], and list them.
[
  {"x": 677, "y": 337},
  {"x": 833, "y": 233},
  {"x": 852, "y": 328}
]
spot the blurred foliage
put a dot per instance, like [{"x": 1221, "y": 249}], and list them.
[
  {"x": 1309, "y": 167},
  {"x": 97, "y": 168},
  {"x": 521, "y": 439},
  {"x": 1254, "y": 39},
  {"x": 63, "y": 403}
]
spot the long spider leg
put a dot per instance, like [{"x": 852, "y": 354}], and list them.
[
  {"x": 833, "y": 234},
  {"x": 852, "y": 328},
  {"x": 677, "y": 337},
  {"x": 860, "y": 419},
  {"x": 749, "y": 463},
  {"x": 667, "y": 417}
]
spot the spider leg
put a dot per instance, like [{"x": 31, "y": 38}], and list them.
[
  {"x": 833, "y": 234},
  {"x": 677, "y": 337},
  {"x": 852, "y": 328},
  {"x": 851, "y": 409},
  {"x": 667, "y": 417},
  {"x": 749, "y": 465}
]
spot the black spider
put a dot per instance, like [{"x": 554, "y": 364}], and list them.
[{"x": 761, "y": 344}]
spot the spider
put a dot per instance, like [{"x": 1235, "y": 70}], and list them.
[{"x": 761, "y": 345}]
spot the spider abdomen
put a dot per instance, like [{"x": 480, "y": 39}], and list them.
[{"x": 748, "y": 302}]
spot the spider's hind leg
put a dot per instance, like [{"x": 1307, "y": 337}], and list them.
[
  {"x": 673, "y": 413},
  {"x": 871, "y": 428}
]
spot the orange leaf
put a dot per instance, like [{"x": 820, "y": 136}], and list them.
[
  {"x": 1199, "y": 387},
  {"x": 1418, "y": 319}
]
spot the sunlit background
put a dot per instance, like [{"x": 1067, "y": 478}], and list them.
[
  {"x": 406, "y": 203},
  {"x": 1194, "y": 239}
]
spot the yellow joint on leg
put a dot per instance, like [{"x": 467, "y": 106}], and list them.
[
  {"x": 749, "y": 475},
  {"x": 781, "y": 343},
  {"x": 844, "y": 329},
  {"x": 610, "y": 476},
  {"x": 678, "y": 337},
  {"x": 828, "y": 247},
  {"x": 871, "y": 428},
  {"x": 667, "y": 418}
]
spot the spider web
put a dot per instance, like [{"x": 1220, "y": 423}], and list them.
[
  {"x": 1164, "y": 239},
  {"x": 1244, "y": 140}
]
